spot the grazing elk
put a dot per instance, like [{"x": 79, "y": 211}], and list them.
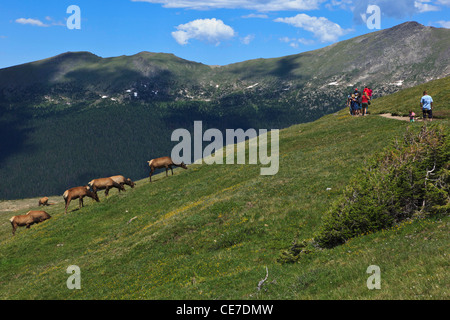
[
  {"x": 105, "y": 184},
  {"x": 121, "y": 180},
  {"x": 44, "y": 202},
  {"x": 28, "y": 219},
  {"x": 164, "y": 162},
  {"x": 79, "y": 193}
]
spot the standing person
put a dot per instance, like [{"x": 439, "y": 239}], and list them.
[
  {"x": 370, "y": 93},
  {"x": 358, "y": 103},
  {"x": 365, "y": 101},
  {"x": 426, "y": 103},
  {"x": 349, "y": 104},
  {"x": 353, "y": 104}
]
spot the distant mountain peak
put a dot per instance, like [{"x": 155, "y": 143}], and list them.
[
  {"x": 74, "y": 56},
  {"x": 70, "y": 54},
  {"x": 408, "y": 26}
]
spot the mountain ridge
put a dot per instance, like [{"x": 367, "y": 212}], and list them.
[{"x": 376, "y": 39}]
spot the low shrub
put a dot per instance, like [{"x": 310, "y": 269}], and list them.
[{"x": 410, "y": 179}]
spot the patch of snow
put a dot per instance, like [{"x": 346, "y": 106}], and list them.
[
  {"x": 104, "y": 97},
  {"x": 335, "y": 83},
  {"x": 252, "y": 86},
  {"x": 398, "y": 83}
]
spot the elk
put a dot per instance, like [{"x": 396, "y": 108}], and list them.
[
  {"x": 105, "y": 184},
  {"x": 44, "y": 202},
  {"x": 28, "y": 219},
  {"x": 121, "y": 180},
  {"x": 163, "y": 162},
  {"x": 79, "y": 193}
]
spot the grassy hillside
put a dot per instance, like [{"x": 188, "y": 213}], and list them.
[{"x": 209, "y": 232}]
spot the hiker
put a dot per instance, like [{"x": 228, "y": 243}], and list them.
[
  {"x": 349, "y": 104},
  {"x": 365, "y": 99},
  {"x": 412, "y": 116},
  {"x": 358, "y": 103},
  {"x": 426, "y": 103},
  {"x": 354, "y": 105}
]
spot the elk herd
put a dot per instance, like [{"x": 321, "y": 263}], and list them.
[{"x": 89, "y": 190}]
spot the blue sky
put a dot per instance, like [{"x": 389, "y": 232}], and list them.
[{"x": 215, "y": 32}]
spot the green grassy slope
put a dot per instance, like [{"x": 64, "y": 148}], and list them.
[{"x": 209, "y": 232}]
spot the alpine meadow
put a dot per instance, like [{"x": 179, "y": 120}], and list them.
[{"x": 351, "y": 191}]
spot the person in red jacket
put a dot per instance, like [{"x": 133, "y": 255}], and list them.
[{"x": 365, "y": 101}]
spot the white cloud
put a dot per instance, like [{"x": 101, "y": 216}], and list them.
[
  {"x": 322, "y": 28},
  {"x": 55, "y": 23},
  {"x": 248, "y": 39},
  {"x": 342, "y": 4},
  {"x": 295, "y": 42},
  {"x": 207, "y": 30},
  {"x": 444, "y": 24},
  {"x": 259, "y": 5},
  {"x": 33, "y": 22},
  {"x": 424, "y": 6},
  {"x": 254, "y": 15},
  {"x": 398, "y": 9}
]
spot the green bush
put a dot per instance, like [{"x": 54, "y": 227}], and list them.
[{"x": 410, "y": 179}]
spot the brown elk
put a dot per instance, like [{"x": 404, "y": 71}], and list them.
[
  {"x": 121, "y": 180},
  {"x": 105, "y": 184},
  {"x": 163, "y": 162},
  {"x": 79, "y": 193},
  {"x": 44, "y": 202},
  {"x": 28, "y": 219}
]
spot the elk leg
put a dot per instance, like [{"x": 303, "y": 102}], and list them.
[
  {"x": 171, "y": 169},
  {"x": 119, "y": 186},
  {"x": 151, "y": 172},
  {"x": 106, "y": 191},
  {"x": 67, "y": 204}
]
